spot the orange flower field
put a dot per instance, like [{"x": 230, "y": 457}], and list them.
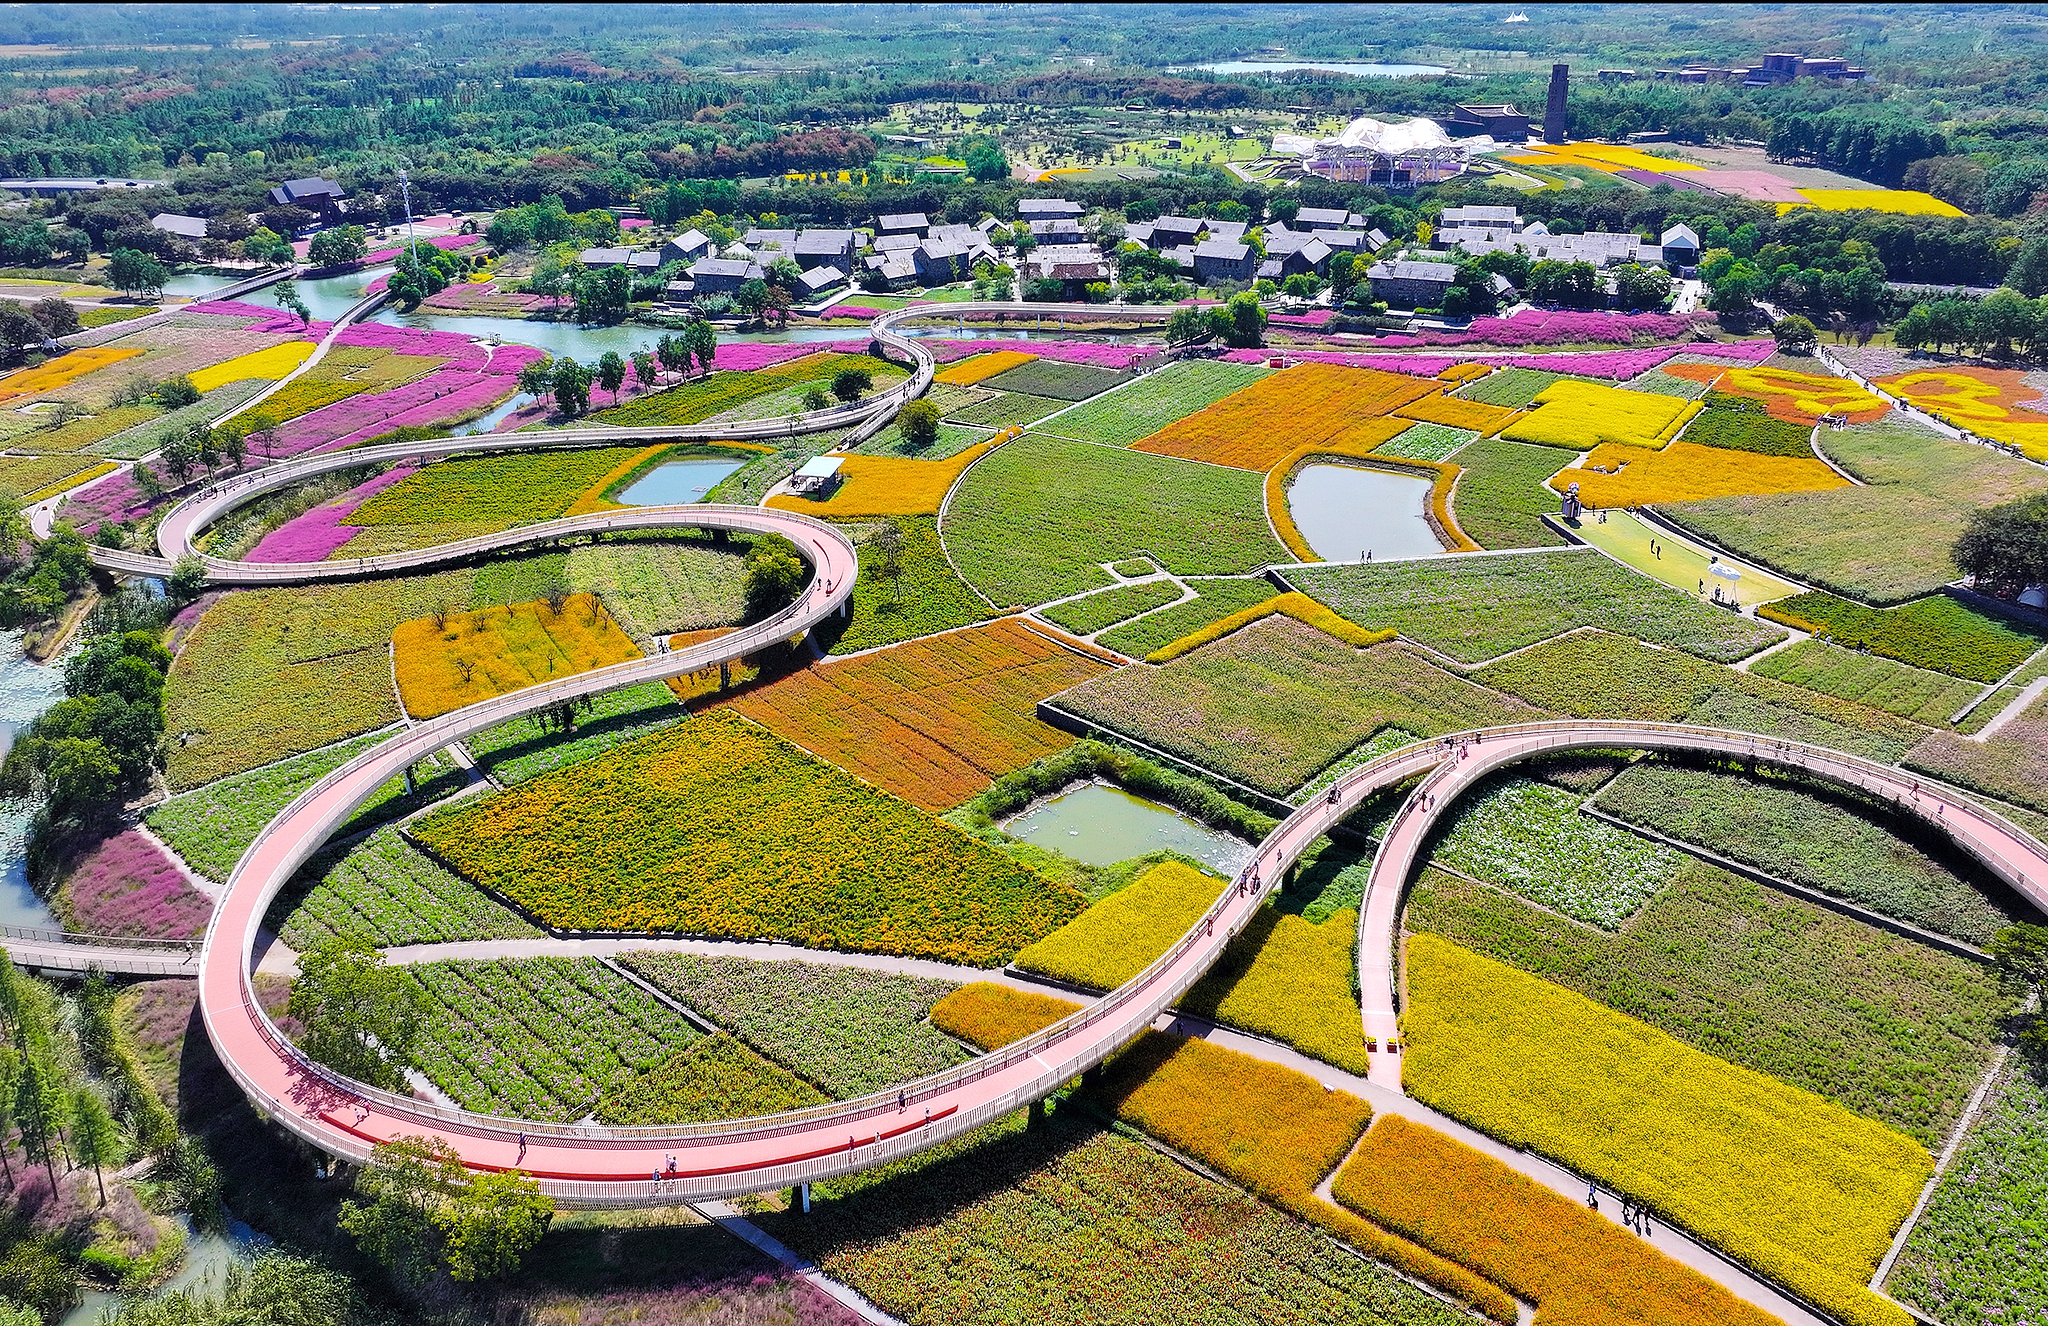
[
  {"x": 1277, "y": 1132},
  {"x": 992, "y": 1016},
  {"x": 1254, "y": 428},
  {"x": 982, "y": 367},
  {"x": 1574, "y": 1265},
  {"x": 935, "y": 720},
  {"x": 1685, "y": 471}
]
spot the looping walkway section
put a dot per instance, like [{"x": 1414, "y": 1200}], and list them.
[{"x": 590, "y": 1165}]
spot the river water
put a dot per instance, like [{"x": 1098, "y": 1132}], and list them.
[{"x": 26, "y": 690}]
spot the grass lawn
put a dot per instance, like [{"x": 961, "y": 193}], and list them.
[
  {"x": 695, "y": 401},
  {"x": 1936, "y": 632},
  {"x": 1629, "y": 538},
  {"x": 1034, "y": 520},
  {"x": 1528, "y": 597}
]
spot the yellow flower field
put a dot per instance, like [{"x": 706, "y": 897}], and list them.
[
  {"x": 1600, "y": 156},
  {"x": 1795, "y": 397},
  {"x": 1687, "y": 471},
  {"x": 1466, "y": 372},
  {"x": 981, "y": 367},
  {"x": 1273, "y": 1130},
  {"x": 1907, "y": 202},
  {"x": 268, "y": 364},
  {"x": 874, "y": 486},
  {"x": 1777, "y": 1177},
  {"x": 477, "y": 655},
  {"x": 1573, "y": 1265},
  {"x": 992, "y": 1016},
  {"x": 1124, "y": 933},
  {"x": 1458, "y": 412},
  {"x": 1293, "y": 980},
  {"x": 60, "y": 371},
  {"x": 1581, "y": 415}
]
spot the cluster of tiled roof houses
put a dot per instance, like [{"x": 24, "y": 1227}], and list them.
[
  {"x": 1477, "y": 231},
  {"x": 905, "y": 249},
  {"x": 908, "y": 249}
]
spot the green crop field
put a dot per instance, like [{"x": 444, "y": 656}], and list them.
[
  {"x": 1107, "y": 607},
  {"x": 1155, "y": 400},
  {"x": 1035, "y": 519},
  {"x": 1820, "y": 837},
  {"x": 1529, "y": 598},
  {"x": 1273, "y": 703},
  {"x": 1500, "y": 494},
  {"x": 1593, "y": 674},
  {"x": 1898, "y": 688}
]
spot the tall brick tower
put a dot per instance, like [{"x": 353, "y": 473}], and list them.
[{"x": 1553, "y": 109}]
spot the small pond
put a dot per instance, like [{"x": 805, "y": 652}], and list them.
[
  {"x": 1101, "y": 825},
  {"x": 207, "y": 1256},
  {"x": 1347, "y": 513},
  {"x": 1356, "y": 69},
  {"x": 678, "y": 482}
]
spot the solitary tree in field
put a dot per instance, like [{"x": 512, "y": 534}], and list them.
[
  {"x": 850, "y": 384},
  {"x": 361, "y": 1017},
  {"x": 288, "y": 300},
  {"x": 887, "y": 541},
  {"x": 919, "y": 423}
]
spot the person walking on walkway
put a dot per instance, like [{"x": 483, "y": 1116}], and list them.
[{"x": 1592, "y": 1196}]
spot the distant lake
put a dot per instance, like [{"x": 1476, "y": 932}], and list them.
[{"x": 1353, "y": 68}]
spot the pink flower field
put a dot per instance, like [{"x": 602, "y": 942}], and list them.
[
  {"x": 127, "y": 886},
  {"x": 1618, "y": 365},
  {"x": 318, "y": 534},
  {"x": 1093, "y": 353}
]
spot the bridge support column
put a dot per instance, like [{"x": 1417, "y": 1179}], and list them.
[
  {"x": 804, "y": 1197},
  {"x": 1034, "y": 1114},
  {"x": 724, "y": 675}
]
